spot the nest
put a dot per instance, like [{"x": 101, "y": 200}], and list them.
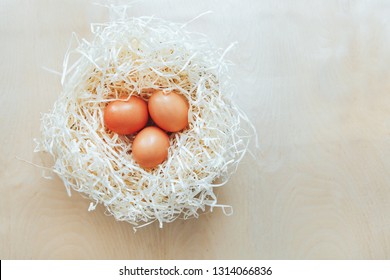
[{"x": 136, "y": 56}]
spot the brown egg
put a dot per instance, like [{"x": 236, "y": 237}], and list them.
[
  {"x": 150, "y": 147},
  {"x": 126, "y": 117},
  {"x": 169, "y": 110}
]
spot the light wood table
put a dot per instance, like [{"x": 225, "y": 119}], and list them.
[{"x": 314, "y": 78}]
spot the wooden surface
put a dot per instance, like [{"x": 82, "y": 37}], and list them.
[{"x": 312, "y": 75}]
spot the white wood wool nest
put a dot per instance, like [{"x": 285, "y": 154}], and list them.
[{"x": 134, "y": 56}]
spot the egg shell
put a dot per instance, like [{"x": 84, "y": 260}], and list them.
[
  {"x": 150, "y": 147},
  {"x": 169, "y": 110},
  {"x": 126, "y": 117}
]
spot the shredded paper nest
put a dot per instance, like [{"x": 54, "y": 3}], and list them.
[{"x": 134, "y": 56}]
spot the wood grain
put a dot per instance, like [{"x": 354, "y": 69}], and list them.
[{"x": 312, "y": 75}]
